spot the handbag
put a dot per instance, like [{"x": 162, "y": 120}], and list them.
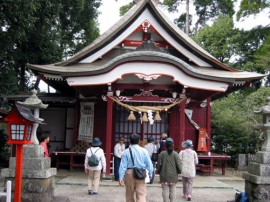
[{"x": 138, "y": 173}]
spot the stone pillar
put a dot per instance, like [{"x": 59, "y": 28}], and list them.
[
  {"x": 242, "y": 162},
  {"x": 257, "y": 179},
  {"x": 38, "y": 176}
]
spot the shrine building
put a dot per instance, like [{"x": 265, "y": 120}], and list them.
[{"x": 145, "y": 76}]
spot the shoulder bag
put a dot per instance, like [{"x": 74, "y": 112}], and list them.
[{"x": 138, "y": 173}]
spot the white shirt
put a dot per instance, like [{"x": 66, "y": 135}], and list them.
[
  {"x": 119, "y": 149},
  {"x": 99, "y": 154},
  {"x": 151, "y": 148}
]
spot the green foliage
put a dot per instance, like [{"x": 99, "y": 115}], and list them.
[
  {"x": 172, "y": 5},
  {"x": 237, "y": 48},
  {"x": 249, "y": 7},
  {"x": 124, "y": 9},
  {"x": 5, "y": 149},
  {"x": 234, "y": 121},
  {"x": 181, "y": 21},
  {"x": 207, "y": 10},
  {"x": 42, "y": 32},
  {"x": 219, "y": 39},
  {"x": 262, "y": 54}
]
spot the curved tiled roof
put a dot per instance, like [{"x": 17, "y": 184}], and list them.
[
  {"x": 71, "y": 67},
  {"x": 153, "y": 56},
  {"x": 126, "y": 20}
]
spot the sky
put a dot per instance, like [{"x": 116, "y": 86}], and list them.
[{"x": 109, "y": 15}]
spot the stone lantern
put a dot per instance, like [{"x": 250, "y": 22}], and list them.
[
  {"x": 257, "y": 179},
  {"x": 37, "y": 181},
  {"x": 20, "y": 123},
  {"x": 34, "y": 103}
]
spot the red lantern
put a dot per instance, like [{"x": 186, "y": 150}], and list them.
[{"x": 20, "y": 122}]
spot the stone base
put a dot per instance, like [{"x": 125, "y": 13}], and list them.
[
  {"x": 257, "y": 192},
  {"x": 36, "y": 190},
  {"x": 256, "y": 179}
]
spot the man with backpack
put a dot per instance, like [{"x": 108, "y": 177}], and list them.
[{"x": 94, "y": 161}]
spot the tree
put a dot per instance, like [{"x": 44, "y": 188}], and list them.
[
  {"x": 234, "y": 123},
  {"x": 249, "y": 7},
  {"x": 205, "y": 10},
  {"x": 43, "y": 31},
  {"x": 262, "y": 54},
  {"x": 230, "y": 45},
  {"x": 124, "y": 9},
  {"x": 219, "y": 39},
  {"x": 172, "y": 6}
]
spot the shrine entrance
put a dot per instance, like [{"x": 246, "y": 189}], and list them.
[{"x": 124, "y": 127}]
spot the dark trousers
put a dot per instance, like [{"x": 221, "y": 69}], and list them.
[
  {"x": 117, "y": 162},
  {"x": 154, "y": 172}
]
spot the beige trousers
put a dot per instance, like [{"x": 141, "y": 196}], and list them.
[
  {"x": 93, "y": 180},
  {"x": 168, "y": 192},
  {"x": 187, "y": 185},
  {"x": 134, "y": 186}
]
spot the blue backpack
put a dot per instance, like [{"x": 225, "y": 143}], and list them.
[{"x": 240, "y": 196}]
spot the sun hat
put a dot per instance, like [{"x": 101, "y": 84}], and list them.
[
  {"x": 169, "y": 140},
  {"x": 187, "y": 144},
  {"x": 150, "y": 139},
  {"x": 96, "y": 142}
]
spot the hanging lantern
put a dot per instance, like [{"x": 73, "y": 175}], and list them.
[
  {"x": 131, "y": 116},
  {"x": 144, "y": 118},
  {"x": 157, "y": 116}
]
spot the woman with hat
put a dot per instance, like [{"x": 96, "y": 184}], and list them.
[
  {"x": 168, "y": 167},
  {"x": 94, "y": 171},
  {"x": 189, "y": 160}
]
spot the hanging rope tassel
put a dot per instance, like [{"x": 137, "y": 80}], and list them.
[
  {"x": 144, "y": 118},
  {"x": 157, "y": 116},
  {"x": 131, "y": 116}
]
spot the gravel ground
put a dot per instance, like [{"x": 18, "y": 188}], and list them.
[{"x": 78, "y": 193}]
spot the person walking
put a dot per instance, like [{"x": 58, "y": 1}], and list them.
[
  {"x": 45, "y": 139},
  {"x": 152, "y": 149},
  {"x": 94, "y": 172},
  {"x": 119, "y": 148},
  {"x": 168, "y": 167},
  {"x": 161, "y": 144},
  {"x": 188, "y": 160},
  {"x": 141, "y": 159}
]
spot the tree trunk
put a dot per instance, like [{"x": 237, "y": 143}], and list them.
[{"x": 187, "y": 17}]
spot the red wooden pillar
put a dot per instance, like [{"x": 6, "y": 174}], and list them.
[
  {"x": 18, "y": 176},
  {"x": 182, "y": 123},
  {"x": 208, "y": 126},
  {"x": 109, "y": 134}
]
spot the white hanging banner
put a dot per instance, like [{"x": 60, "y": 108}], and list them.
[
  {"x": 86, "y": 122},
  {"x": 188, "y": 113}
]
